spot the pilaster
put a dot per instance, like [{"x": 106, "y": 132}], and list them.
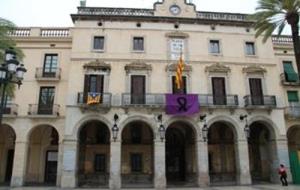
[
  {"x": 202, "y": 159},
  {"x": 20, "y": 162},
  {"x": 160, "y": 182},
  {"x": 115, "y": 165}
]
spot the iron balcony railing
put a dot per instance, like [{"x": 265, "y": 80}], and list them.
[
  {"x": 286, "y": 82},
  {"x": 293, "y": 111},
  {"x": 11, "y": 109},
  {"x": 43, "y": 109},
  {"x": 282, "y": 40},
  {"x": 266, "y": 101},
  {"x": 155, "y": 100},
  {"x": 48, "y": 74},
  {"x": 211, "y": 100},
  {"x": 105, "y": 99}
]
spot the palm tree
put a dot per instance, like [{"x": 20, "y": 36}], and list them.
[
  {"x": 7, "y": 42},
  {"x": 274, "y": 15}
]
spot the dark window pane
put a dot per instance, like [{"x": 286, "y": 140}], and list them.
[
  {"x": 250, "y": 50},
  {"x": 50, "y": 65},
  {"x": 138, "y": 43},
  {"x": 136, "y": 162},
  {"x": 175, "y": 90},
  {"x": 99, "y": 42},
  {"x": 100, "y": 161},
  {"x": 136, "y": 134},
  {"x": 46, "y": 100},
  {"x": 293, "y": 96}
]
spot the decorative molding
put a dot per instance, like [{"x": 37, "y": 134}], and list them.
[
  {"x": 217, "y": 68},
  {"x": 177, "y": 34},
  {"x": 254, "y": 69},
  {"x": 173, "y": 67},
  {"x": 97, "y": 65},
  {"x": 138, "y": 66}
]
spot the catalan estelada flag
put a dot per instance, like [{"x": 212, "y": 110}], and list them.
[
  {"x": 179, "y": 71},
  {"x": 93, "y": 98}
]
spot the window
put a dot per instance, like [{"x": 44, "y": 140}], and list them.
[
  {"x": 138, "y": 44},
  {"x": 250, "y": 49},
  {"x": 214, "y": 46},
  {"x": 177, "y": 47},
  {"x": 136, "y": 162},
  {"x": 95, "y": 84},
  {"x": 50, "y": 65},
  {"x": 98, "y": 43},
  {"x": 293, "y": 96},
  {"x": 136, "y": 134},
  {"x": 289, "y": 73},
  {"x": 46, "y": 100},
  {"x": 175, "y": 90},
  {"x": 100, "y": 161}
]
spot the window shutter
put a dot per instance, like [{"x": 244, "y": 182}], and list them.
[
  {"x": 293, "y": 96},
  {"x": 100, "y": 83},
  {"x": 290, "y": 74}
]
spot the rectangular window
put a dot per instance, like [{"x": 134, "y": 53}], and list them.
[
  {"x": 175, "y": 90},
  {"x": 250, "y": 48},
  {"x": 138, "y": 89},
  {"x": 136, "y": 162},
  {"x": 46, "y": 100},
  {"x": 138, "y": 44},
  {"x": 293, "y": 96},
  {"x": 289, "y": 73},
  {"x": 50, "y": 65},
  {"x": 100, "y": 161},
  {"x": 98, "y": 43},
  {"x": 214, "y": 46},
  {"x": 177, "y": 47},
  {"x": 256, "y": 91},
  {"x": 219, "y": 90}
]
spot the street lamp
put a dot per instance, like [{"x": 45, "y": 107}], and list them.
[
  {"x": 204, "y": 128},
  {"x": 115, "y": 128},
  {"x": 246, "y": 128},
  {"x": 161, "y": 129},
  {"x": 11, "y": 71}
]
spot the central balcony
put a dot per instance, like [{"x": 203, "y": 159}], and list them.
[
  {"x": 260, "y": 101},
  {"x": 43, "y": 110},
  {"x": 104, "y": 101},
  {"x": 11, "y": 109},
  {"x": 43, "y": 74},
  {"x": 139, "y": 100}
]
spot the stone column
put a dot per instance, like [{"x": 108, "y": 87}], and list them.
[
  {"x": 59, "y": 164},
  {"x": 20, "y": 162},
  {"x": 69, "y": 164},
  {"x": 115, "y": 165},
  {"x": 202, "y": 164},
  {"x": 243, "y": 164},
  {"x": 159, "y": 164}
]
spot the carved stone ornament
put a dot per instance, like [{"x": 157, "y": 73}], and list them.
[
  {"x": 173, "y": 67},
  {"x": 217, "y": 68},
  {"x": 97, "y": 65},
  {"x": 138, "y": 66},
  {"x": 254, "y": 69}
]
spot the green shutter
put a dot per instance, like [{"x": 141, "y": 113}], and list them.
[
  {"x": 290, "y": 74},
  {"x": 295, "y": 167},
  {"x": 293, "y": 96}
]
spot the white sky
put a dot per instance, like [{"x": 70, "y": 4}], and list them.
[{"x": 57, "y": 12}]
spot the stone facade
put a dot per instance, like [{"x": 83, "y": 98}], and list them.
[{"x": 76, "y": 139}]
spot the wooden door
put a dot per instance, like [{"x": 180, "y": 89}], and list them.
[
  {"x": 256, "y": 91},
  {"x": 219, "y": 91},
  {"x": 51, "y": 167},
  {"x": 93, "y": 83},
  {"x": 9, "y": 165},
  {"x": 138, "y": 89}
]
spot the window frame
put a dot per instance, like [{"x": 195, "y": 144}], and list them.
[
  {"x": 52, "y": 70},
  {"x": 219, "y": 47},
  {"x": 254, "y": 49},
  {"x": 137, "y": 50},
  {"x": 140, "y": 168},
  {"x": 93, "y": 43}
]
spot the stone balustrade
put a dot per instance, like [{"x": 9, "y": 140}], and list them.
[
  {"x": 282, "y": 40},
  {"x": 41, "y": 32},
  {"x": 114, "y": 11}
]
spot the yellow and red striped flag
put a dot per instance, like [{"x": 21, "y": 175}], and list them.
[{"x": 179, "y": 71}]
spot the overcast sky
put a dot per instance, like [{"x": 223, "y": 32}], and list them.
[{"x": 57, "y": 12}]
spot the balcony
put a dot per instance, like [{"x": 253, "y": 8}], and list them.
[
  {"x": 260, "y": 101},
  {"x": 43, "y": 110},
  {"x": 143, "y": 100},
  {"x": 286, "y": 82},
  {"x": 228, "y": 101},
  {"x": 105, "y": 100},
  {"x": 44, "y": 75},
  {"x": 11, "y": 109},
  {"x": 292, "y": 112}
]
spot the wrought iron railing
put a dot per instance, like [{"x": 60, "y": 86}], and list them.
[
  {"x": 115, "y": 11},
  {"x": 11, "y": 109},
  {"x": 285, "y": 81},
  {"x": 293, "y": 111},
  {"x": 105, "y": 99},
  {"x": 53, "y": 73},
  {"x": 211, "y": 100},
  {"x": 42, "y": 109},
  {"x": 129, "y": 99},
  {"x": 267, "y": 101}
]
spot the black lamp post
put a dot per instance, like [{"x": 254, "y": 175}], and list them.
[
  {"x": 204, "y": 128},
  {"x": 161, "y": 129},
  {"x": 246, "y": 128},
  {"x": 11, "y": 71},
  {"x": 115, "y": 128}
]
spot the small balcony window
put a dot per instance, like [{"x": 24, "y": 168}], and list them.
[
  {"x": 250, "y": 48},
  {"x": 98, "y": 43},
  {"x": 50, "y": 65},
  {"x": 138, "y": 44},
  {"x": 214, "y": 46}
]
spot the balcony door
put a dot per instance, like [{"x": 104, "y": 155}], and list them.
[
  {"x": 50, "y": 65},
  {"x": 93, "y": 83},
  {"x": 175, "y": 90},
  {"x": 256, "y": 92},
  {"x": 219, "y": 90},
  {"x": 46, "y": 100},
  {"x": 138, "y": 89}
]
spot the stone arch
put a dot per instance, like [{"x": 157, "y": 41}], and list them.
[
  {"x": 272, "y": 127},
  {"x": 83, "y": 121},
  {"x": 29, "y": 132}
]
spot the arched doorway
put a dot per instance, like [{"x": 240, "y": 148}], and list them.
[
  {"x": 181, "y": 166},
  {"x": 137, "y": 155},
  {"x": 222, "y": 154},
  {"x": 42, "y": 156},
  {"x": 293, "y": 136},
  {"x": 7, "y": 149},
  {"x": 94, "y": 154},
  {"x": 261, "y": 148}
]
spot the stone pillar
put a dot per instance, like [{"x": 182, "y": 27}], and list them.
[
  {"x": 202, "y": 164},
  {"x": 115, "y": 165},
  {"x": 243, "y": 164},
  {"x": 20, "y": 162},
  {"x": 69, "y": 164},
  {"x": 59, "y": 164},
  {"x": 159, "y": 164}
]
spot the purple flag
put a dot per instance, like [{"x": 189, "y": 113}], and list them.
[{"x": 182, "y": 104}]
